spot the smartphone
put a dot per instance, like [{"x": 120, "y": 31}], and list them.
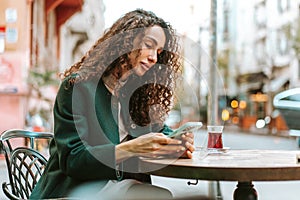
[{"x": 187, "y": 127}]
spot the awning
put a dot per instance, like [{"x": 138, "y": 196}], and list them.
[
  {"x": 251, "y": 82},
  {"x": 251, "y": 88},
  {"x": 64, "y": 9},
  {"x": 251, "y": 77}
]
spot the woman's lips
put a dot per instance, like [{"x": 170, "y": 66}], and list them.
[{"x": 145, "y": 66}]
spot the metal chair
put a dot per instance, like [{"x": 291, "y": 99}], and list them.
[{"x": 25, "y": 164}]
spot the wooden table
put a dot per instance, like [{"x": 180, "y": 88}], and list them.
[{"x": 243, "y": 166}]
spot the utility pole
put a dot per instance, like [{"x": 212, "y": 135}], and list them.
[
  {"x": 213, "y": 82},
  {"x": 212, "y": 111}
]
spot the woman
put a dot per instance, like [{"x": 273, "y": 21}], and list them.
[{"x": 110, "y": 110}]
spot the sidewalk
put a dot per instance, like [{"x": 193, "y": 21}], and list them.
[
  {"x": 257, "y": 131},
  {"x": 3, "y": 176}
]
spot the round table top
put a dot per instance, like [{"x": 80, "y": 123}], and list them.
[{"x": 232, "y": 165}]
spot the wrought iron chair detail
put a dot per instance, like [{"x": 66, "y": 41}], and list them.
[{"x": 25, "y": 164}]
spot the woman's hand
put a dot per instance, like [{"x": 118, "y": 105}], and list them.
[
  {"x": 152, "y": 145},
  {"x": 188, "y": 142}
]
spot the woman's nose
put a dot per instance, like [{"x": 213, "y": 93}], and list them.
[{"x": 152, "y": 57}]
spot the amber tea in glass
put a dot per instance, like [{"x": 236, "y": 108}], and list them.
[{"x": 215, "y": 137}]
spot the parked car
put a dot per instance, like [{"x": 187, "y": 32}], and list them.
[{"x": 288, "y": 103}]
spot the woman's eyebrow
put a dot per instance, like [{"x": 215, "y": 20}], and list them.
[{"x": 151, "y": 38}]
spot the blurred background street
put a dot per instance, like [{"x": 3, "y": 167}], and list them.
[{"x": 237, "y": 57}]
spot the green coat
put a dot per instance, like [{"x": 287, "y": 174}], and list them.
[{"x": 85, "y": 135}]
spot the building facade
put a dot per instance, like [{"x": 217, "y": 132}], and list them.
[
  {"x": 29, "y": 54},
  {"x": 259, "y": 39}
]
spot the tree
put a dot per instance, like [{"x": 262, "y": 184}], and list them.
[{"x": 42, "y": 84}]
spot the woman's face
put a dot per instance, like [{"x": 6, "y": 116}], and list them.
[{"x": 151, "y": 46}]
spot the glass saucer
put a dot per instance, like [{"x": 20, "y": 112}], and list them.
[{"x": 217, "y": 150}]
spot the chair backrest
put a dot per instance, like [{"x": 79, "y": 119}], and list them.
[{"x": 25, "y": 164}]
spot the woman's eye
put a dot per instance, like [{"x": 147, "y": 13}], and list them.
[{"x": 148, "y": 45}]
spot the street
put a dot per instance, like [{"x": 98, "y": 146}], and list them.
[
  {"x": 277, "y": 190},
  {"x": 266, "y": 190}
]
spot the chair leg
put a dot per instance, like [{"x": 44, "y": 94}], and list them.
[
  {"x": 8, "y": 193},
  {"x": 219, "y": 192}
]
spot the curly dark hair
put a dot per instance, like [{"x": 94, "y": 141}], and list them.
[{"x": 109, "y": 56}]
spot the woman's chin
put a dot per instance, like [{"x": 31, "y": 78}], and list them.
[{"x": 140, "y": 73}]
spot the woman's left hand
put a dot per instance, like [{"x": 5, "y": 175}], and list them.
[{"x": 188, "y": 143}]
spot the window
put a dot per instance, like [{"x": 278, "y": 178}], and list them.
[
  {"x": 283, "y": 5},
  {"x": 260, "y": 51},
  {"x": 282, "y": 43},
  {"x": 260, "y": 16}
]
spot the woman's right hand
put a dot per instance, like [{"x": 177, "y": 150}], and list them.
[{"x": 149, "y": 145}]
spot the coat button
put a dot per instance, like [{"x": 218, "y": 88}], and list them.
[{"x": 133, "y": 126}]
